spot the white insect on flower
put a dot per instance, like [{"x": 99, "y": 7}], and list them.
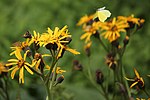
[{"x": 102, "y": 14}]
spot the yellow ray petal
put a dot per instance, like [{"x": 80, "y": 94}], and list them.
[
  {"x": 21, "y": 75},
  {"x": 136, "y": 73},
  {"x": 133, "y": 84},
  {"x": 18, "y": 54},
  {"x": 129, "y": 79},
  {"x": 9, "y": 64},
  {"x": 28, "y": 69},
  {"x": 14, "y": 72},
  {"x": 12, "y": 60}
]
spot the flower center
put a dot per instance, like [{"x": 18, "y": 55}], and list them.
[
  {"x": 20, "y": 63},
  {"x": 114, "y": 28}
]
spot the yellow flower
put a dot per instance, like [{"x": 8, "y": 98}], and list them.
[
  {"x": 19, "y": 64},
  {"x": 113, "y": 28},
  {"x": 20, "y": 46},
  {"x": 90, "y": 30},
  {"x": 58, "y": 39},
  {"x": 58, "y": 70},
  {"x": 137, "y": 80},
  {"x": 85, "y": 19},
  {"x": 2, "y": 68},
  {"x": 130, "y": 19}
]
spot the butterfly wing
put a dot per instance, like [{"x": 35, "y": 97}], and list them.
[{"x": 103, "y": 15}]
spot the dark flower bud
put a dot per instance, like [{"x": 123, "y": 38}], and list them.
[
  {"x": 29, "y": 53},
  {"x": 77, "y": 66},
  {"x": 51, "y": 46},
  {"x": 36, "y": 46},
  {"x": 99, "y": 77},
  {"x": 126, "y": 40},
  {"x": 115, "y": 43},
  {"x": 27, "y": 35},
  {"x": 59, "y": 80}
]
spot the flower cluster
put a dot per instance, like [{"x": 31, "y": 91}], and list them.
[
  {"x": 28, "y": 57},
  {"x": 111, "y": 29}
]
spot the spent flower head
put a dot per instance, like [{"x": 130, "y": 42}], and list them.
[{"x": 137, "y": 81}]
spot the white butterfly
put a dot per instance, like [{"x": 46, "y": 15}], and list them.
[{"x": 102, "y": 14}]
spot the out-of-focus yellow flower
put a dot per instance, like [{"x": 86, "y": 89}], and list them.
[
  {"x": 2, "y": 68},
  {"x": 113, "y": 28},
  {"x": 130, "y": 19},
  {"x": 85, "y": 19},
  {"x": 90, "y": 30},
  {"x": 19, "y": 64},
  {"x": 58, "y": 70},
  {"x": 137, "y": 80}
]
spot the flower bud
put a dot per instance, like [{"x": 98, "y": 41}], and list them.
[
  {"x": 29, "y": 53},
  {"x": 77, "y": 66},
  {"x": 126, "y": 40},
  {"x": 51, "y": 46},
  {"x": 27, "y": 35},
  {"x": 59, "y": 80},
  {"x": 99, "y": 77}
]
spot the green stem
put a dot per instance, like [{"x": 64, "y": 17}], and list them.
[
  {"x": 93, "y": 82},
  {"x": 106, "y": 49}
]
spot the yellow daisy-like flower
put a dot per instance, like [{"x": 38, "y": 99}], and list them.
[
  {"x": 19, "y": 64},
  {"x": 85, "y": 19},
  {"x": 130, "y": 19},
  {"x": 137, "y": 80},
  {"x": 113, "y": 28},
  {"x": 58, "y": 38},
  {"x": 58, "y": 70},
  {"x": 90, "y": 30},
  {"x": 20, "y": 46},
  {"x": 2, "y": 68}
]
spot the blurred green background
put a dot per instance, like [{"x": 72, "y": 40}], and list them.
[{"x": 18, "y": 16}]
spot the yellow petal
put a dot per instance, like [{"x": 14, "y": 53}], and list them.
[
  {"x": 26, "y": 63},
  {"x": 28, "y": 69},
  {"x": 129, "y": 79},
  {"x": 37, "y": 64},
  {"x": 133, "y": 84},
  {"x": 136, "y": 73},
  {"x": 11, "y": 60},
  {"x": 9, "y": 64},
  {"x": 14, "y": 72},
  {"x": 21, "y": 75},
  {"x": 18, "y": 54}
]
